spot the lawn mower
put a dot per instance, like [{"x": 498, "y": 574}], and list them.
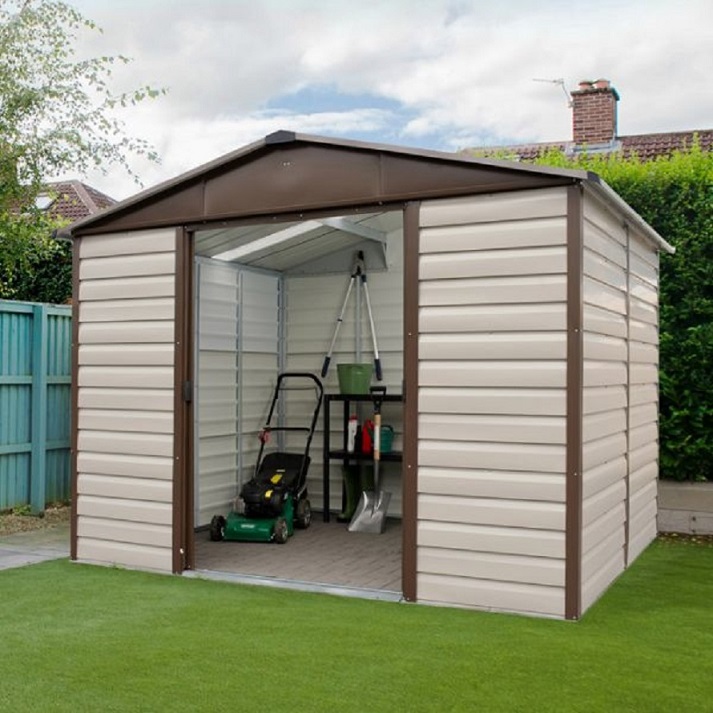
[{"x": 274, "y": 501}]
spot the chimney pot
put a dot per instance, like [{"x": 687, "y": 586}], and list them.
[
  {"x": 585, "y": 84},
  {"x": 602, "y": 84}
]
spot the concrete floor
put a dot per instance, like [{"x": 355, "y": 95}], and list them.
[
  {"x": 35, "y": 546},
  {"x": 324, "y": 554}
]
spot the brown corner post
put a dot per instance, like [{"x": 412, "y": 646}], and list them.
[
  {"x": 575, "y": 379},
  {"x": 74, "y": 418},
  {"x": 183, "y": 544},
  {"x": 410, "y": 456}
]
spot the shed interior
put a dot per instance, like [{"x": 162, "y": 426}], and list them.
[{"x": 267, "y": 296}]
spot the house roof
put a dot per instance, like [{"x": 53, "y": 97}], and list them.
[
  {"x": 646, "y": 146},
  {"x": 73, "y": 200},
  {"x": 286, "y": 174}
]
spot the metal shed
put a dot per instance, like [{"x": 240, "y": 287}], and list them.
[{"x": 518, "y": 311}]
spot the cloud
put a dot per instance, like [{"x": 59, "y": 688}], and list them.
[{"x": 436, "y": 73}]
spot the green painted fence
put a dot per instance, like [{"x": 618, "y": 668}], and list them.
[{"x": 35, "y": 404}]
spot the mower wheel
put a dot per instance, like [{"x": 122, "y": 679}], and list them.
[
  {"x": 303, "y": 514},
  {"x": 217, "y": 528},
  {"x": 279, "y": 532}
]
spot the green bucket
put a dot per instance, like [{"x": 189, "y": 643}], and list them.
[{"x": 354, "y": 378}]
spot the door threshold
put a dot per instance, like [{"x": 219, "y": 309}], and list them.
[{"x": 314, "y": 587}]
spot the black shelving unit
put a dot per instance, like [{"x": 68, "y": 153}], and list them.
[{"x": 329, "y": 454}]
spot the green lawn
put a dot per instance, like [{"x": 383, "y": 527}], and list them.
[{"x": 81, "y": 638}]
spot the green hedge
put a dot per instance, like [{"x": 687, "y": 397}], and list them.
[{"x": 675, "y": 196}]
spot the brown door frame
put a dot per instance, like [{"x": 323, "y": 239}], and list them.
[
  {"x": 184, "y": 475},
  {"x": 183, "y": 539}
]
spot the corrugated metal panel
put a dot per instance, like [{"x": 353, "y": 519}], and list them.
[
  {"x": 643, "y": 414},
  {"x": 494, "y": 566},
  {"x": 494, "y": 263},
  {"x": 526, "y": 402},
  {"x": 130, "y": 465},
  {"x": 126, "y": 266},
  {"x": 489, "y": 511},
  {"x": 128, "y": 377},
  {"x": 130, "y": 399},
  {"x": 139, "y": 242},
  {"x": 132, "y": 355},
  {"x": 140, "y": 287},
  {"x": 124, "y": 531},
  {"x": 35, "y": 359},
  {"x": 493, "y": 429},
  {"x": 490, "y": 594},
  {"x": 620, "y": 371},
  {"x": 498, "y": 456},
  {"x": 125, "y": 396},
  {"x": 492, "y": 401},
  {"x": 238, "y": 332},
  {"x": 136, "y": 310},
  {"x": 216, "y": 390},
  {"x": 108, "y": 551},
  {"x": 494, "y": 290},
  {"x": 525, "y": 374},
  {"x": 495, "y": 208},
  {"x": 497, "y": 236},
  {"x": 492, "y": 484},
  {"x": 148, "y": 444},
  {"x": 491, "y": 538},
  {"x": 127, "y": 333}
]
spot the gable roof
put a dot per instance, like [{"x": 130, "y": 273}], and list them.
[
  {"x": 73, "y": 200},
  {"x": 288, "y": 174}
]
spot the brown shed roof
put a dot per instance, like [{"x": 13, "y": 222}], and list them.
[{"x": 289, "y": 174}]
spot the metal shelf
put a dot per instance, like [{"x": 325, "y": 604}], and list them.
[{"x": 329, "y": 454}]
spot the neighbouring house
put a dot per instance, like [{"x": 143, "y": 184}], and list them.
[
  {"x": 72, "y": 200},
  {"x": 595, "y": 130},
  {"x": 516, "y": 307}
]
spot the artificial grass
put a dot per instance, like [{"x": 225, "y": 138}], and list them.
[{"x": 82, "y": 638}]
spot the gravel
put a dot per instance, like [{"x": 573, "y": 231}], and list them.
[{"x": 11, "y": 524}]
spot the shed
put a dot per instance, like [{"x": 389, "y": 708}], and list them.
[{"x": 517, "y": 312}]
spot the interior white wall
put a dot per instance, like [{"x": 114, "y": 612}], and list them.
[
  {"x": 312, "y": 307},
  {"x": 236, "y": 335}
]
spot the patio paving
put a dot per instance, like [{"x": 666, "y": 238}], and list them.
[{"x": 35, "y": 546}]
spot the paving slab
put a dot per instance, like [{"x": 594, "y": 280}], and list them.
[{"x": 24, "y": 548}]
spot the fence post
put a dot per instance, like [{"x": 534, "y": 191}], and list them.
[{"x": 39, "y": 408}]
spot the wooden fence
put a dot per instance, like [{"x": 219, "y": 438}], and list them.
[{"x": 35, "y": 404}]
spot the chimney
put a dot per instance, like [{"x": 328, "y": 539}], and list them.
[{"x": 594, "y": 113}]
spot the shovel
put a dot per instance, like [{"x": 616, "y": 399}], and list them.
[{"x": 370, "y": 515}]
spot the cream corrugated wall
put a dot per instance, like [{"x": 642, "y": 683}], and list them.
[
  {"x": 643, "y": 395},
  {"x": 313, "y": 304},
  {"x": 492, "y": 401},
  {"x": 620, "y": 397},
  {"x": 126, "y": 399}
]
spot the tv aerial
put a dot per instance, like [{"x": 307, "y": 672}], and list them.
[{"x": 559, "y": 82}]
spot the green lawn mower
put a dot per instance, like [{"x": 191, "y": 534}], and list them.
[{"x": 274, "y": 501}]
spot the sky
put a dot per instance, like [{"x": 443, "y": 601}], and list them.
[{"x": 435, "y": 74}]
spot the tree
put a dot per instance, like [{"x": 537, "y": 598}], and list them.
[{"x": 58, "y": 113}]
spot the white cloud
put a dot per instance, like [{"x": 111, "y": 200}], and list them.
[{"x": 461, "y": 70}]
